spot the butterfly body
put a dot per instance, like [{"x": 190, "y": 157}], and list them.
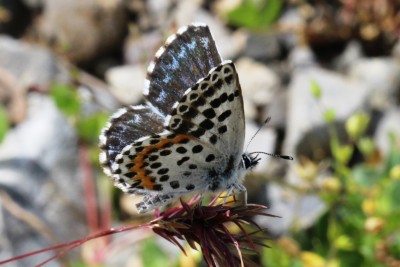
[{"x": 189, "y": 136}]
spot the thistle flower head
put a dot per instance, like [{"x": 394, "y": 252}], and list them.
[{"x": 211, "y": 228}]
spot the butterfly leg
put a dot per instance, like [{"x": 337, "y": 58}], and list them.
[
  {"x": 151, "y": 201},
  {"x": 236, "y": 189},
  {"x": 242, "y": 189}
]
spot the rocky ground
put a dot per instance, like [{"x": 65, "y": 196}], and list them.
[{"x": 102, "y": 48}]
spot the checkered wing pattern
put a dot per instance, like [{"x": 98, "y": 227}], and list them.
[
  {"x": 193, "y": 155},
  {"x": 189, "y": 136},
  {"x": 185, "y": 58}
]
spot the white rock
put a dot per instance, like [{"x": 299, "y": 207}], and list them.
[
  {"x": 258, "y": 82},
  {"x": 381, "y": 76},
  {"x": 344, "y": 96},
  {"x": 39, "y": 170},
  {"x": 299, "y": 211},
  {"x": 301, "y": 57},
  {"x": 127, "y": 82},
  {"x": 390, "y": 124},
  {"x": 30, "y": 64}
]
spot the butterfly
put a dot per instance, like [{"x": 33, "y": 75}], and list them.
[{"x": 189, "y": 135}]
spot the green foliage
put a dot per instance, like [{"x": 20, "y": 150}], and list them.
[
  {"x": 89, "y": 127},
  {"x": 275, "y": 256},
  {"x": 329, "y": 115},
  {"x": 362, "y": 202},
  {"x": 68, "y": 101},
  {"x": 66, "y": 98},
  {"x": 356, "y": 125},
  {"x": 4, "y": 123},
  {"x": 152, "y": 255},
  {"x": 366, "y": 146},
  {"x": 315, "y": 89},
  {"x": 255, "y": 14}
]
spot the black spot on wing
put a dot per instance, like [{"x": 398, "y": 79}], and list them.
[
  {"x": 182, "y": 160},
  {"x": 174, "y": 184}
]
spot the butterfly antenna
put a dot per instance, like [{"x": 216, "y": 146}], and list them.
[
  {"x": 274, "y": 155},
  {"x": 259, "y": 129}
]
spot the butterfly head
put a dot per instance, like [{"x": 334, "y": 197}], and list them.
[{"x": 248, "y": 161}]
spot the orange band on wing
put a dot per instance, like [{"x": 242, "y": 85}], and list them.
[{"x": 142, "y": 173}]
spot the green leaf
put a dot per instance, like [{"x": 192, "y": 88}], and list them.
[
  {"x": 315, "y": 89},
  {"x": 365, "y": 176},
  {"x": 356, "y": 125},
  {"x": 394, "y": 247},
  {"x": 66, "y": 98},
  {"x": 329, "y": 115},
  {"x": 343, "y": 153},
  {"x": 366, "y": 146},
  {"x": 344, "y": 242},
  {"x": 276, "y": 256},
  {"x": 152, "y": 255},
  {"x": 4, "y": 123},
  {"x": 89, "y": 128},
  {"x": 255, "y": 14}
]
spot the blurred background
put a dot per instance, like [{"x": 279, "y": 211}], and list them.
[{"x": 327, "y": 72}]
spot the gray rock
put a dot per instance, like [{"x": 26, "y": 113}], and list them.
[
  {"x": 258, "y": 82},
  {"x": 382, "y": 78},
  {"x": 290, "y": 21},
  {"x": 39, "y": 172},
  {"x": 97, "y": 27},
  {"x": 301, "y": 58},
  {"x": 127, "y": 83},
  {"x": 30, "y": 64},
  {"x": 389, "y": 124},
  {"x": 305, "y": 113},
  {"x": 34, "y": 3},
  {"x": 277, "y": 110},
  {"x": 295, "y": 210},
  {"x": 263, "y": 48},
  {"x": 141, "y": 50},
  {"x": 351, "y": 54},
  {"x": 307, "y": 135}
]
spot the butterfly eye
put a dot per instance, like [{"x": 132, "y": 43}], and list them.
[
  {"x": 246, "y": 161},
  {"x": 249, "y": 161}
]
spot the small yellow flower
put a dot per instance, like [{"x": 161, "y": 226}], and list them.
[
  {"x": 395, "y": 173},
  {"x": 374, "y": 225},
  {"x": 331, "y": 185},
  {"x": 289, "y": 245},
  {"x": 307, "y": 170},
  {"x": 315, "y": 89},
  {"x": 366, "y": 146},
  {"x": 192, "y": 257},
  {"x": 343, "y": 153},
  {"x": 369, "y": 206},
  {"x": 344, "y": 242},
  {"x": 311, "y": 259},
  {"x": 357, "y": 124}
]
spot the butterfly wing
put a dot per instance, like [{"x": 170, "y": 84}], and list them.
[
  {"x": 212, "y": 111},
  {"x": 125, "y": 127},
  {"x": 186, "y": 57},
  {"x": 201, "y": 149},
  {"x": 185, "y": 139}
]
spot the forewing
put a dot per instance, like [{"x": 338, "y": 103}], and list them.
[
  {"x": 212, "y": 111},
  {"x": 186, "y": 57}
]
